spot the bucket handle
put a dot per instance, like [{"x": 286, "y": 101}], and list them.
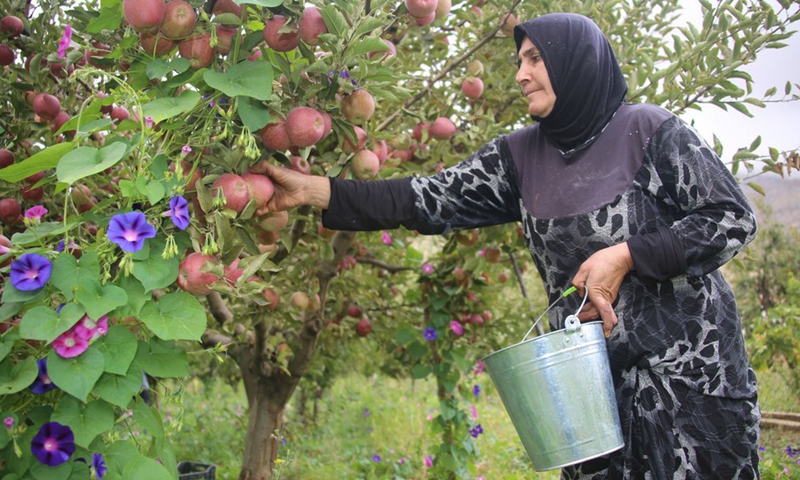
[{"x": 572, "y": 323}]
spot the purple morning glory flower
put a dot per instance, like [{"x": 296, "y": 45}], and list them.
[
  {"x": 129, "y": 231},
  {"x": 9, "y": 423},
  {"x": 456, "y": 328},
  {"x": 429, "y": 334},
  {"x": 54, "y": 444},
  {"x": 179, "y": 211},
  {"x": 99, "y": 465},
  {"x": 42, "y": 384},
  {"x": 30, "y": 272},
  {"x": 477, "y": 430},
  {"x": 386, "y": 239},
  {"x": 376, "y": 458},
  {"x": 186, "y": 149},
  {"x": 427, "y": 268},
  {"x": 66, "y": 38},
  {"x": 36, "y": 213},
  {"x": 476, "y": 390}
]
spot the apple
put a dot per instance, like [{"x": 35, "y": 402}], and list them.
[
  {"x": 508, "y": 22},
  {"x": 197, "y": 174},
  {"x": 304, "y": 126},
  {"x": 261, "y": 188},
  {"x": 197, "y": 49},
  {"x": 361, "y": 135},
  {"x": 179, "y": 20},
  {"x": 144, "y": 14},
  {"x": 275, "y": 137},
  {"x": 402, "y": 155},
  {"x": 155, "y": 44},
  {"x": 442, "y": 128},
  {"x": 46, "y": 106},
  {"x": 421, "y": 8},
  {"x": 312, "y": 25},
  {"x": 5, "y": 243},
  {"x": 300, "y": 300},
  {"x": 7, "y": 56},
  {"x": 487, "y": 316},
  {"x": 358, "y": 107},
  {"x": 62, "y": 118},
  {"x": 272, "y": 298},
  {"x": 365, "y": 164},
  {"x": 476, "y": 319},
  {"x": 381, "y": 150},
  {"x": 95, "y": 51},
  {"x": 426, "y": 20},
  {"x": 278, "y": 40},
  {"x": 229, "y": 6},
  {"x": 472, "y": 87},
  {"x": 12, "y": 26},
  {"x": 82, "y": 198},
  {"x": 234, "y": 190},
  {"x": 10, "y": 210},
  {"x": 225, "y": 36},
  {"x": 274, "y": 221},
  {"x": 119, "y": 113},
  {"x": 232, "y": 273},
  {"x": 363, "y": 327},
  {"x": 475, "y": 68},
  {"x": 420, "y": 132},
  {"x": 467, "y": 238},
  {"x": 6, "y": 158},
  {"x": 300, "y": 164},
  {"x": 354, "y": 311},
  {"x": 477, "y": 10},
  {"x": 492, "y": 254},
  {"x": 503, "y": 277},
  {"x": 191, "y": 278},
  {"x": 443, "y": 8}
]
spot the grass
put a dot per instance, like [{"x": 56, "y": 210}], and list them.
[{"x": 364, "y": 417}]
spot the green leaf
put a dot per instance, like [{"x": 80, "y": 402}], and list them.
[
  {"x": 161, "y": 358},
  {"x": 136, "y": 296},
  {"x": 263, "y": 3},
  {"x": 44, "y": 323},
  {"x": 85, "y": 161},
  {"x": 6, "y": 344},
  {"x": 160, "y": 67},
  {"x": 253, "y": 113},
  {"x": 370, "y": 24},
  {"x": 422, "y": 371},
  {"x": 154, "y": 190},
  {"x": 405, "y": 335},
  {"x": 334, "y": 20},
  {"x": 119, "y": 389},
  {"x": 77, "y": 375},
  {"x": 9, "y": 309},
  {"x": 118, "y": 347},
  {"x": 86, "y": 421},
  {"x": 367, "y": 45},
  {"x": 164, "y": 108},
  {"x": 148, "y": 419},
  {"x": 35, "y": 234},
  {"x": 145, "y": 467},
  {"x": 12, "y": 295},
  {"x": 40, "y": 471},
  {"x": 99, "y": 299},
  {"x": 47, "y": 158},
  {"x": 67, "y": 271},
  {"x": 175, "y": 316},
  {"x": 245, "y": 79},
  {"x": 758, "y": 188},
  {"x": 110, "y": 18},
  {"x": 15, "y": 377},
  {"x": 153, "y": 270}
]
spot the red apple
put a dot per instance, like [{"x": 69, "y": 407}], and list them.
[
  {"x": 312, "y": 25},
  {"x": 191, "y": 278},
  {"x": 304, "y": 126},
  {"x": 179, "y": 20},
  {"x": 225, "y": 36},
  {"x": 419, "y": 131},
  {"x": 508, "y": 22},
  {"x": 144, "y": 14},
  {"x": 300, "y": 164},
  {"x": 475, "y": 68},
  {"x": 7, "y": 56},
  {"x": 442, "y": 128},
  {"x": 155, "y": 44},
  {"x": 6, "y": 158},
  {"x": 97, "y": 50},
  {"x": 119, "y": 113},
  {"x": 467, "y": 238},
  {"x": 12, "y": 26},
  {"x": 62, "y": 118},
  {"x": 261, "y": 188},
  {"x": 492, "y": 254},
  {"x": 229, "y": 6},
  {"x": 234, "y": 189},
  {"x": 361, "y": 135},
  {"x": 381, "y": 54},
  {"x": 426, "y": 20},
  {"x": 354, "y": 311},
  {"x": 327, "y": 123},
  {"x": 421, "y": 8},
  {"x": 503, "y": 277},
  {"x": 278, "y": 40},
  {"x": 363, "y": 327},
  {"x": 197, "y": 49},
  {"x": 5, "y": 243},
  {"x": 472, "y": 87},
  {"x": 358, "y": 107},
  {"x": 272, "y": 297},
  {"x": 46, "y": 106},
  {"x": 232, "y": 273},
  {"x": 9, "y": 210},
  {"x": 443, "y": 8},
  {"x": 275, "y": 137},
  {"x": 365, "y": 164},
  {"x": 381, "y": 150},
  {"x": 274, "y": 221},
  {"x": 300, "y": 300}
]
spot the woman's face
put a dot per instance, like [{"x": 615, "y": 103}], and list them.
[{"x": 533, "y": 79}]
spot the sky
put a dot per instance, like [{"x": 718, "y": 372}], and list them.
[{"x": 777, "y": 123}]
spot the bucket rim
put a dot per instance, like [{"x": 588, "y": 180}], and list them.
[{"x": 593, "y": 323}]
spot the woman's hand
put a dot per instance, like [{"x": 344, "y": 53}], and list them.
[
  {"x": 293, "y": 189},
  {"x": 603, "y": 273}
]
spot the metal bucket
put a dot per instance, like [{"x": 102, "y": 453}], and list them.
[{"x": 558, "y": 392}]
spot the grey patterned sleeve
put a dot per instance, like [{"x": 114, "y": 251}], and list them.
[
  {"x": 482, "y": 190},
  {"x": 716, "y": 220}
]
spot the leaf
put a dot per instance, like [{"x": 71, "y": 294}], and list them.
[
  {"x": 67, "y": 272},
  {"x": 145, "y": 467},
  {"x": 153, "y": 270},
  {"x": 136, "y": 296},
  {"x": 119, "y": 389},
  {"x": 41, "y": 471},
  {"x": 160, "y": 67},
  {"x": 99, "y": 299},
  {"x": 44, "y": 323},
  {"x": 15, "y": 377},
  {"x": 148, "y": 419},
  {"x": 86, "y": 421},
  {"x": 421, "y": 371},
  {"x": 164, "y": 108},
  {"x": 110, "y": 18},
  {"x": 175, "y": 316},
  {"x": 118, "y": 347},
  {"x": 263, "y": 3},
  {"x": 47, "y": 158},
  {"x": 154, "y": 190},
  {"x": 758, "y": 188},
  {"x": 368, "y": 25},
  {"x": 334, "y": 20},
  {"x": 245, "y": 79},
  {"x": 6, "y": 344},
  {"x": 253, "y": 113},
  {"x": 35, "y": 234},
  {"x": 85, "y": 161},
  {"x": 77, "y": 375},
  {"x": 367, "y": 45},
  {"x": 161, "y": 358},
  {"x": 12, "y": 295}
]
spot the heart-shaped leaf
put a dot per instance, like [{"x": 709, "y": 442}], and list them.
[
  {"x": 44, "y": 323},
  {"x": 164, "y": 108},
  {"x": 85, "y": 161},
  {"x": 160, "y": 358},
  {"x": 245, "y": 79},
  {"x": 154, "y": 190},
  {"x": 119, "y": 389},
  {"x": 77, "y": 375},
  {"x": 118, "y": 347},
  {"x": 175, "y": 316},
  {"x": 15, "y": 377},
  {"x": 99, "y": 299},
  {"x": 153, "y": 270},
  {"x": 253, "y": 113},
  {"x": 86, "y": 421},
  {"x": 47, "y": 158},
  {"x": 144, "y": 467},
  {"x": 67, "y": 272},
  {"x": 136, "y": 296}
]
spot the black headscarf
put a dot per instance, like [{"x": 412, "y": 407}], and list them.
[{"x": 583, "y": 71}]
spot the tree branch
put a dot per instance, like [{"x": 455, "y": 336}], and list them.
[
  {"x": 382, "y": 265},
  {"x": 219, "y": 310}
]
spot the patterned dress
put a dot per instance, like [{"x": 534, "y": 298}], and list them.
[{"x": 686, "y": 393}]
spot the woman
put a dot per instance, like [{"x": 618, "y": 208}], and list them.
[{"x": 625, "y": 200}]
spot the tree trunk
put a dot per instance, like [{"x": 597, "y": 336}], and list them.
[{"x": 265, "y": 418}]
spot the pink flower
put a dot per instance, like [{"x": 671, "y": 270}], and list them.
[
  {"x": 427, "y": 268},
  {"x": 474, "y": 412},
  {"x": 35, "y": 214},
  {"x": 479, "y": 367},
  {"x": 89, "y": 330},
  {"x": 385, "y": 238},
  {"x": 66, "y": 39},
  {"x": 186, "y": 150},
  {"x": 456, "y": 328},
  {"x": 69, "y": 344},
  {"x": 148, "y": 122},
  {"x": 428, "y": 462}
]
